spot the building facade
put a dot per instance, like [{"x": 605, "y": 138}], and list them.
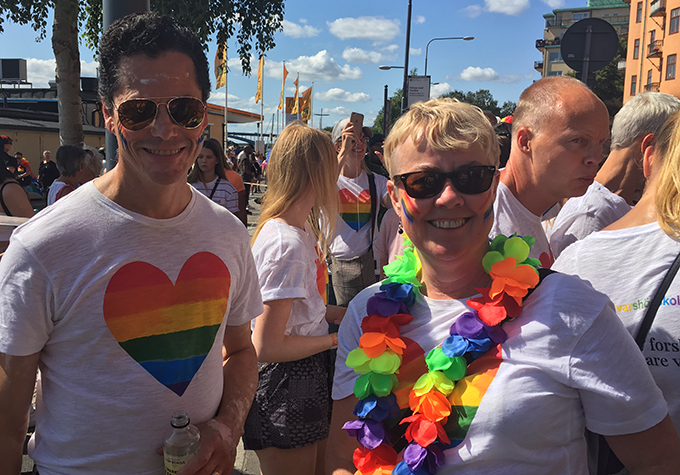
[
  {"x": 653, "y": 45},
  {"x": 615, "y": 12}
]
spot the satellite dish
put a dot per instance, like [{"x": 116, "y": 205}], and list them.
[{"x": 589, "y": 45}]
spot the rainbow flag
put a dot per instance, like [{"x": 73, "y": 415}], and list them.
[
  {"x": 355, "y": 210},
  {"x": 168, "y": 328}
]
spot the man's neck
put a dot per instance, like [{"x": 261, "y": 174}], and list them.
[
  {"x": 622, "y": 173},
  {"x": 148, "y": 199},
  {"x": 532, "y": 197}
]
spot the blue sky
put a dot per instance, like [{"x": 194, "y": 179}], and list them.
[{"x": 339, "y": 46}]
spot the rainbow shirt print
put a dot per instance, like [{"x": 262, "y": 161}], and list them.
[
  {"x": 355, "y": 210},
  {"x": 168, "y": 328}
]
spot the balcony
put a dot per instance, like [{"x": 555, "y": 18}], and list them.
[
  {"x": 652, "y": 87},
  {"x": 538, "y": 66},
  {"x": 541, "y": 43},
  {"x": 567, "y": 22},
  {"x": 657, "y": 8},
  {"x": 654, "y": 49}
]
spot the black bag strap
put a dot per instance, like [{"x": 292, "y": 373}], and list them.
[
  {"x": 374, "y": 202},
  {"x": 656, "y": 303},
  {"x": 2, "y": 200},
  {"x": 217, "y": 182}
]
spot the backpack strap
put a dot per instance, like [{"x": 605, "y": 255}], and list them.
[
  {"x": 374, "y": 202},
  {"x": 542, "y": 274}
]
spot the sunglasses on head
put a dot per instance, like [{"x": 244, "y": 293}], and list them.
[
  {"x": 138, "y": 114},
  {"x": 428, "y": 183}
]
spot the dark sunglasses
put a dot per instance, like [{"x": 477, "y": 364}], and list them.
[
  {"x": 426, "y": 184},
  {"x": 138, "y": 114}
]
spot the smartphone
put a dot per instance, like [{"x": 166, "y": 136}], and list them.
[{"x": 358, "y": 121}]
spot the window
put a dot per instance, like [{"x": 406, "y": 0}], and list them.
[
  {"x": 674, "y": 26},
  {"x": 554, "y": 73},
  {"x": 554, "y": 57},
  {"x": 652, "y": 37},
  {"x": 638, "y": 18},
  {"x": 580, "y": 16},
  {"x": 636, "y": 49},
  {"x": 633, "y": 85},
  {"x": 670, "y": 66},
  {"x": 649, "y": 77}
]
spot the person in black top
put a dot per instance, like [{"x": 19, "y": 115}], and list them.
[{"x": 47, "y": 172}]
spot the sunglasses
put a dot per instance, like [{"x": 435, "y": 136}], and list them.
[
  {"x": 138, "y": 114},
  {"x": 426, "y": 184}
]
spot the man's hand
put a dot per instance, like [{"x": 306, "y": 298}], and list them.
[{"x": 217, "y": 452}]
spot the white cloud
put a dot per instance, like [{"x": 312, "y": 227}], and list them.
[
  {"x": 472, "y": 73},
  {"x": 358, "y": 55},
  {"x": 391, "y": 48},
  {"x": 478, "y": 74},
  {"x": 364, "y": 28},
  {"x": 41, "y": 71},
  {"x": 416, "y": 51},
  {"x": 439, "y": 89},
  {"x": 299, "y": 31},
  {"x": 320, "y": 67},
  {"x": 337, "y": 94},
  {"x": 554, "y": 3},
  {"x": 420, "y": 19},
  {"x": 473, "y": 11},
  {"x": 234, "y": 101},
  {"x": 509, "y": 7}
]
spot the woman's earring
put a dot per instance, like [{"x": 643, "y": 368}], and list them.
[{"x": 400, "y": 228}]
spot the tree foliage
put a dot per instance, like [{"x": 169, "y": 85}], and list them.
[
  {"x": 484, "y": 100},
  {"x": 252, "y": 22}
]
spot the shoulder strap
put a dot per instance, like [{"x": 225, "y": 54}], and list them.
[
  {"x": 2, "y": 200},
  {"x": 217, "y": 182},
  {"x": 371, "y": 189},
  {"x": 60, "y": 193},
  {"x": 542, "y": 274},
  {"x": 655, "y": 303}
]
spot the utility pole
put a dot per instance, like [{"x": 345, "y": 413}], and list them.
[{"x": 321, "y": 116}]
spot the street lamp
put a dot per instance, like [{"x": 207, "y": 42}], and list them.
[
  {"x": 464, "y": 38},
  {"x": 387, "y": 68}
]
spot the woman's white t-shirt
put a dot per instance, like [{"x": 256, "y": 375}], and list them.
[
  {"x": 225, "y": 193},
  {"x": 289, "y": 267}
]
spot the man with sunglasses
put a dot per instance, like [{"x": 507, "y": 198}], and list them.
[
  {"x": 152, "y": 313},
  {"x": 558, "y": 130}
]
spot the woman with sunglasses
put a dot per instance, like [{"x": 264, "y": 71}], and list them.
[
  {"x": 288, "y": 423},
  {"x": 467, "y": 359},
  {"x": 208, "y": 175}
]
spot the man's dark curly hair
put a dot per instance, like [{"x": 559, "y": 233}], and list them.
[{"x": 150, "y": 34}]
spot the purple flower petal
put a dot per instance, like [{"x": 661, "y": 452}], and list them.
[
  {"x": 468, "y": 325},
  {"x": 369, "y": 433},
  {"x": 414, "y": 456},
  {"x": 379, "y": 304}
]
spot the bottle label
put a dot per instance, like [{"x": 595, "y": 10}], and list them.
[{"x": 174, "y": 463}]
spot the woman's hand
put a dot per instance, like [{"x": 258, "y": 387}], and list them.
[{"x": 335, "y": 314}]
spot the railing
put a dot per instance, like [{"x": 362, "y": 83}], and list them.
[
  {"x": 652, "y": 87},
  {"x": 657, "y": 8},
  {"x": 538, "y": 65},
  {"x": 566, "y": 22},
  {"x": 654, "y": 48},
  {"x": 541, "y": 43}
]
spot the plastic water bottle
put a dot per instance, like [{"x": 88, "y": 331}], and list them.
[{"x": 182, "y": 445}]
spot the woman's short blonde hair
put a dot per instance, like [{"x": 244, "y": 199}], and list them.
[
  {"x": 445, "y": 124},
  {"x": 667, "y": 197},
  {"x": 303, "y": 158}
]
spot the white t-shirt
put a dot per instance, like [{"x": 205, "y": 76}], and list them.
[
  {"x": 225, "y": 193},
  {"x": 54, "y": 190},
  {"x": 628, "y": 265},
  {"x": 128, "y": 314},
  {"x": 353, "y": 224},
  {"x": 586, "y": 214},
  {"x": 511, "y": 217},
  {"x": 388, "y": 243},
  {"x": 567, "y": 364},
  {"x": 289, "y": 267}
]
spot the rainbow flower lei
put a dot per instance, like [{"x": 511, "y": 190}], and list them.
[{"x": 379, "y": 356}]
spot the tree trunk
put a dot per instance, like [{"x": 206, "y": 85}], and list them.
[{"x": 67, "y": 55}]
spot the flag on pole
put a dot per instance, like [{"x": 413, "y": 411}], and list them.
[
  {"x": 220, "y": 66},
  {"x": 260, "y": 77},
  {"x": 285, "y": 75},
  {"x": 296, "y": 106},
  {"x": 306, "y": 104}
]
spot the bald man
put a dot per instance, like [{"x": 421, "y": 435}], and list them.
[{"x": 559, "y": 127}]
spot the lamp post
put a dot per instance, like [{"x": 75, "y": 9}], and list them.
[
  {"x": 464, "y": 38},
  {"x": 404, "y": 99}
]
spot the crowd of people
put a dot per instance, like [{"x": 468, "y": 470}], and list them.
[{"x": 404, "y": 306}]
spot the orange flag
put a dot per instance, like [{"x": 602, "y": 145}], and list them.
[
  {"x": 296, "y": 107},
  {"x": 260, "y": 77},
  {"x": 220, "y": 67},
  {"x": 306, "y": 104},
  {"x": 285, "y": 75}
]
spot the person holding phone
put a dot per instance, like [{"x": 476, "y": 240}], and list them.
[{"x": 360, "y": 193}]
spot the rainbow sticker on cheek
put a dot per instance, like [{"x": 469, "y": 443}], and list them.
[
  {"x": 123, "y": 139},
  {"x": 489, "y": 206},
  {"x": 409, "y": 208},
  {"x": 200, "y": 141}
]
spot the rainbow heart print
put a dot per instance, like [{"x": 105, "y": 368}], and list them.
[
  {"x": 355, "y": 210},
  {"x": 168, "y": 328}
]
